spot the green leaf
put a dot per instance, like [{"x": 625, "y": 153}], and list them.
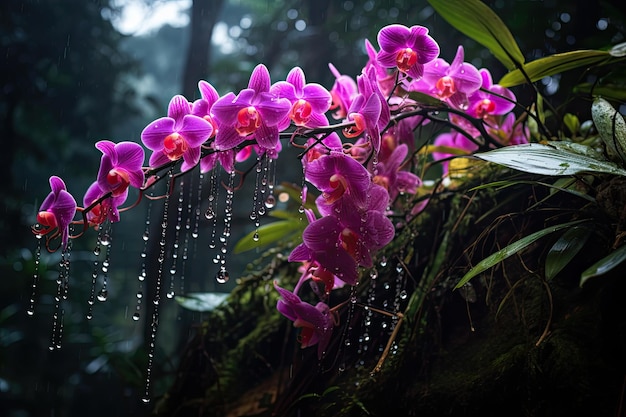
[
  {"x": 476, "y": 20},
  {"x": 565, "y": 249},
  {"x": 424, "y": 98},
  {"x": 201, "y": 301},
  {"x": 604, "y": 265},
  {"x": 541, "y": 159},
  {"x": 608, "y": 91},
  {"x": 553, "y": 64},
  {"x": 512, "y": 249},
  {"x": 269, "y": 233}
]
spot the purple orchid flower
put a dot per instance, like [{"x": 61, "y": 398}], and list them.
[
  {"x": 483, "y": 104},
  {"x": 386, "y": 81},
  {"x": 120, "y": 166},
  {"x": 56, "y": 212},
  {"x": 365, "y": 114},
  {"x": 392, "y": 178},
  {"x": 179, "y": 135},
  {"x": 336, "y": 175},
  {"x": 255, "y": 113},
  {"x": 368, "y": 85},
  {"x": 408, "y": 49},
  {"x": 316, "y": 321},
  {"x": 344, "y": 89},
  {"x": 322, "y": 243},
  {"x": 309, "y": 102},
  {"x": 107, "y": 209},
  {"x": 453, "y": 82}
]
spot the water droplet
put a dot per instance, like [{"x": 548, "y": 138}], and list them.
[
  {"x": 222, "y": 276},
  {"x": 139, "y": 294},
  {"x": 403, "y": 295},
  {"x": 146, "y": 236},
  {"x": 270, "y": 201},
  {"x": 136, "y": 316},
  {"x": 255, "y": 237},
  {"x": 96, "y": 251},
  {"x": 373, "y": 273},
  {"x": 209, "y": 214},
  {"x": 170, "y": 294},
  {"x": 105, "y": 239},
  {"x": 89, "y": 316},
  {"x": 102, "y": 295},
  {"x": 30, "y": 312},
  {"x": 383, "y": 261}
]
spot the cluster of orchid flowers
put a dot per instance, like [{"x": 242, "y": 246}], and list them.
[{"x": 359, "y": 177}]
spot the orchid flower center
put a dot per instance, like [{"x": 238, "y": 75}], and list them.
[
  {"x": 248, "y": 121},
  {"x": 300, "y": 112},
  {"x": 213, "y": 124},
  {"x": 405, "y": 59},
  {"x": 323, "y": 275},
  {"x": 358, "y": 127},
  {"x": 349, "y": 241},
  {"x": 484, "y": 108},
  {"x": 306, "y": 334},
  {"x": 339, "y": 186},
  {"x": 174, "y": 146},
  {"x": 446, "y": 87},
  {"x": 119, "y": 179},
  {"x": 48, "y": 220},
  {"x": 381, "y": 180}
]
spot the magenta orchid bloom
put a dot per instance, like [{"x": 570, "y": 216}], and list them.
[
  {"x": 202, "y": 107},
  {"x": 316, "y": 321},
  {"x": 450, "y": 82},
  {"x": 483, "y": 104},
  {"x": 407, "y": 49},
  {"x": 56, "y": 212},
  {"x": 362, "y": 230},
  {"x": 255, "y": 113},
  {"x": 344, "y": 89},
  {"x": 179, "y": 135},
  {"x": 368, "y": 85},
  {"x": 392, "y": 178},
  {"x": 120, "y": 166},
  {"x": 309, "y": 102},
  {"x": 107, "y": 209},
  {"x": 325, "y": 243},
  {"x": 386, "y": 81},
  {"x": 336, "y": 175},
  {"x": 365, "y": 113}
]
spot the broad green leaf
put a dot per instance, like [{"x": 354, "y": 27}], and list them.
[
  {"x": 512, "y": 249},
  {"x": 608, "y": 91},
  {"x": 268, "y": 234},
  {"x": 201, "y": 301},
  {"x": 565, "y": 249},
  {"x": 604, "y": 265},
  {"x": 479, "y": 22},
  {"x": 541, "y": 159},
  {"x": 553, "y": 64},
  {"x": 572, "y": 123}
]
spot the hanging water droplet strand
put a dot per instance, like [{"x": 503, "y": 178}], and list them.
[
  {"x": 222, "y": 275},
  {"x": 104, "y": 292},
  {"x": 61, "y": 294},
  {"x": 37, "y": 260},
  {"x": 144, "y": 253},
  {"x": 154, "y": 324},
  {"x": 270, "y": 199},
  {"x": 255, "y": 216},
  {"x": 94, "y": 279},
  {"x": 176, "y": 245},
  {"x": 213, "y": 199}
]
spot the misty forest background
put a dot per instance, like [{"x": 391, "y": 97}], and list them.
[{"x": 68, "y": 78}]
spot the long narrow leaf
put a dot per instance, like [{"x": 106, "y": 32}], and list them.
[
  {"x": 553, "y": 64},
  {"x": 512, "y": 249},
  {"x": 604, "y": 265},
  {"x": 541, "y": 159},
  {"x": 565, "y": 249},
  {"x": 476, "y": 20}
]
